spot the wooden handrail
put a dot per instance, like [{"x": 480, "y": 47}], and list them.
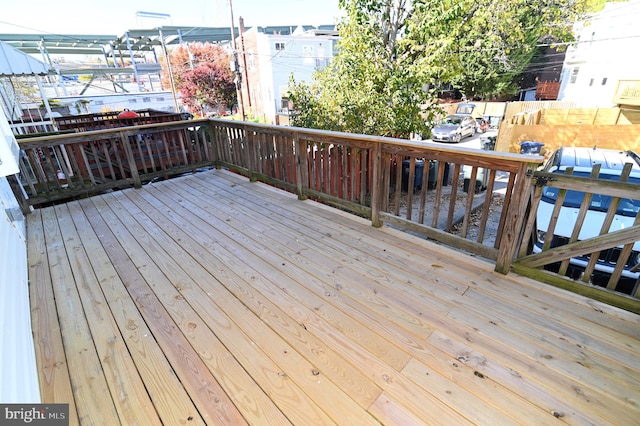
[{"x": 359, "y": 173}]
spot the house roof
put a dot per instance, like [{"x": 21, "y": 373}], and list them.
[{"x": 14, "y": 62}]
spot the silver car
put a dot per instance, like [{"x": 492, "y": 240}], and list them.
[{"x": 454, "y": 128}]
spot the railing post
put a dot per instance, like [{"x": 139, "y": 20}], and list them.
[
  {"x": 302, "y": 166},
  {"x": 18, "y": 192},
  {"x": 213, "y": 144},
  {"x": 130, "y": 158},
  {"x": 377, "y": 186},
  {"x": 250, "y": 153},
  {"x": 515, "y": 218}
]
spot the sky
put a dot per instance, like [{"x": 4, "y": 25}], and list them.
[{"x": 114, "y": 17}]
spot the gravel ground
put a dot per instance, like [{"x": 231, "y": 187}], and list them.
[{"x": 495, "y": 209}]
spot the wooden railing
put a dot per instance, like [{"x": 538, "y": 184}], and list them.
[
  {"x": 613, "y": 249},
  {"x": 450, "y": 198},
  {"x": 61, "y": 167},
  {"x": 479, "y": 201},
  {"x": 110, "y": 120}
]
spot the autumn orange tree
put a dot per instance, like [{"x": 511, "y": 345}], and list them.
[{"x": 203, "y": 76}]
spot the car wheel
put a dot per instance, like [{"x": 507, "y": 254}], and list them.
[{"x": 458, "y": 138}]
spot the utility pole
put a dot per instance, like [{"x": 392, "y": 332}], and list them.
[
  {"x": 244, "y": 62},
  {"x": 236, "y": 66},
  {"x": 171, "y": 80}
]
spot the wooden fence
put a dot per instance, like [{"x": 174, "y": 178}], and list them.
[{"x": 479, "y": 201}]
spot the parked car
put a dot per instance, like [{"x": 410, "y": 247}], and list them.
[
  {"x": 453, "y": 129},
  {"x": 582, "y": 161}
]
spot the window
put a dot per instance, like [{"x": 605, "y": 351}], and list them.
[
  {"x": 279, "y": 46},
  {"x": 574, "y": 75},
  {"x": 307, "y": 54},
  {"x": 251, "y": 63},
  {"x": 133, "y": 101}
]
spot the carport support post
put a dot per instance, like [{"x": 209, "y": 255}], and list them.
[{"x": 515, "y": 218}]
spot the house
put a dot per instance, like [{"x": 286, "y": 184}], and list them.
[
  {"x": 602, "y": 56},
  {"x": 17, "y": 358},
  {"x": 271, "y": 59}
]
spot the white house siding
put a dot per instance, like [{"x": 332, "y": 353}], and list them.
[
  {"x": 605, "y": 52},
  {"x": 18, "y": 374},
  {"x": 269, "y": 67}
]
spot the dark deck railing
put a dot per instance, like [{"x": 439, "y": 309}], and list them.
[
  {"x": 443, "y": 192},
  {"x": 66, "y": 166}
]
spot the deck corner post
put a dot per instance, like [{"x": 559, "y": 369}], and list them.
[
  {"x": 377, "y": 185},
  {"x": 137, "y": 183},
  {"x": 302, "y": 166},
  {"x": 515, "y": 218}
]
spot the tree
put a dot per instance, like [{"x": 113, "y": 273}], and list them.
[
  {"x": 370, "y": 87},
  {"x": 481, "y": 47},
  {"x": 394, "y": 53},
  {"x": 207, "y": 85},
  {"x": 202, "y": 74}
]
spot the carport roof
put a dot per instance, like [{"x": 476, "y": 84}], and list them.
[
  {"x": 138, "y": 39},
  {"x": 14, "y": 62}
]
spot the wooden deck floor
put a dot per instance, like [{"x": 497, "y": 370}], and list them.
[{"x": 208, "y": 299}]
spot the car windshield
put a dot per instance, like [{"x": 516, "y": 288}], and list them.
[
  {"x": 451, "y": 121},
  {"x": 627, "y": 207}
]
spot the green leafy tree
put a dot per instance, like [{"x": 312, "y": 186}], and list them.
[
  {"x": 393, "y": 53},
  {"x": 371, "y": 86},
  {"x": 482, "y": 47}
]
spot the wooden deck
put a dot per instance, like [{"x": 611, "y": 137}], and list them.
[{"x": 208, "y": 299}]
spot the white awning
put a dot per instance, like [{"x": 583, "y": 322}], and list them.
[{"x": 14, "y": 63}]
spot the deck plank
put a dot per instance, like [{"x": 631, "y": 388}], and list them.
[
  {"x": 271, "y": 309},
  {"x": 233, "y": 302},
  {"x": 287, "y": 369},
  {"x": 166, "y": 313},
  {"x": 131, "y": 400},
  {"x": 55, "y": 382},
  {"x": 88, "y": 378},
  {"x": 150, "y": 362}
]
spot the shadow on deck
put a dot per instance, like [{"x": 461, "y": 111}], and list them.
[{"x": 210, "y": 299}]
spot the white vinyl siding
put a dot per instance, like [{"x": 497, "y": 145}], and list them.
[{"x": 18, "y": 371}]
